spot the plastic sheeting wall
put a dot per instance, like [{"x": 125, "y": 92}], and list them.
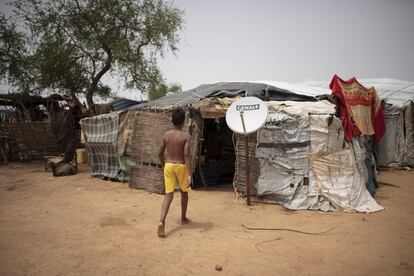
[
  {"x": 396, "y": 148},
  {"x": 290, "y": 177},
  {"x": 391, "y": 147},
  {"x": 339, "y": 180},
  {"x": 409, "y": 133},
  {"x": 282, "y": 150}
]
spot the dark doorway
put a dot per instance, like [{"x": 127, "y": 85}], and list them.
[{"x": 217, "y": 154}]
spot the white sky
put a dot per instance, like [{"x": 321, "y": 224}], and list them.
[{"x": 292, "y": 41}]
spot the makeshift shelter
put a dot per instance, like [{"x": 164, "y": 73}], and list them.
[
  {"x": 283, "y": 147},
  {"x": 26, "y": 127},
  {"x": 213, "y": 151},
  {"x": 27, "y": 140},
  {"x": 305, "y": 162},
  {"x": 391, "y": 147},
  {"x": 398, "y": 108}
]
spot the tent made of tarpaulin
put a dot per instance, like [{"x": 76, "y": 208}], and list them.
[
  {"x": 107, "y": 139},
  {"x": 293, "y": 149}
]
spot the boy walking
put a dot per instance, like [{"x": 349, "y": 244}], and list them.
[{"x": 177, "y": 167}]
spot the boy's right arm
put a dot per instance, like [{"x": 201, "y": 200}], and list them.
[
  {"x": 187, "y": 157},
  {"x": 161, "y": 152}
]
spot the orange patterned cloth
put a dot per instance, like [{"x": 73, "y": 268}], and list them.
[{"x": 359, "y": 107}]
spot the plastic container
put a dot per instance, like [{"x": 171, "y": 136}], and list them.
[{"x": 82, "y": 156}]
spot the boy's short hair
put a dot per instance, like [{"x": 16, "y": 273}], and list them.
[{"x": 178, "y": 116}]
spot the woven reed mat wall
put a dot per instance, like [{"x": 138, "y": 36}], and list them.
[
  {"x": 147, "y": 178},
  {"x": 240, "y": 166},
  {"x": 146, "y": 138},
  {"x": 29, "y": 140},
  {"x": 147, "y": 135},
  {"x": 125, "y": 131}
]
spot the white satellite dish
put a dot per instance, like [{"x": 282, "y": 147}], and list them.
[{"x": 246, "y": 115}]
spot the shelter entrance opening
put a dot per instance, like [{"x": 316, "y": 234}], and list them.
[{"x": 217, "y": 156}]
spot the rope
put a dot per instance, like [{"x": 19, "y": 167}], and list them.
[{"x": 290, "y": 230}]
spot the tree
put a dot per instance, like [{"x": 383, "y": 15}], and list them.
[
  {"x": 15, "y": 65},
  {"x": 156, "y": 91},
  {"x": 71, "y": 45}
]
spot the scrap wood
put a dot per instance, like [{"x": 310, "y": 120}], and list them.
[{"x": 287, "y": 229}]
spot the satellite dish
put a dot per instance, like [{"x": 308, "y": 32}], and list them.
[{"x": 246, "y": 115}]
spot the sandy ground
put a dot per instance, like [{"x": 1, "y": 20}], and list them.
[{"x": 78, "y": 225}]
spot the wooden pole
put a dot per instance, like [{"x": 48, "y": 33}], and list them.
[
  {"x": 246, "y": 140},
  {"x": 200, "y": 145},
  {"x": 246, "y": 146}
]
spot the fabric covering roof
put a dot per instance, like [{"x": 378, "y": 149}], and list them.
[
  {"x": 393, "y": 91},
  {"x": 265, "y": 90}
]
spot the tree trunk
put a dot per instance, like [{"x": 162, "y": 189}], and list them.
[
  {"x": 73, "y": 95},
  {"x": 95, "y": 80}
]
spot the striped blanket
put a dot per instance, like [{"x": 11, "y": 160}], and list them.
[{"x": 101, "y": 134}]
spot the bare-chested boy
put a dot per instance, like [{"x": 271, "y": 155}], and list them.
[{"x": 177, "y": 167}]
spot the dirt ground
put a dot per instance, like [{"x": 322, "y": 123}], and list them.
[{"x": 79, "y": 225}]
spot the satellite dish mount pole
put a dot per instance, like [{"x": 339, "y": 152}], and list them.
[
  {"x": 253, "y": 114},
  {"x": 246, "y": 146}
]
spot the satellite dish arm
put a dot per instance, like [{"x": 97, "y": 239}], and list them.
[{"x": 242, "y": 120}]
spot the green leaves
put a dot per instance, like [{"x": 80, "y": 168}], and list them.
[{"x": 156, "y": 91}]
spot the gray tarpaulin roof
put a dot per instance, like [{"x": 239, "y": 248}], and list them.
[
  {"x": 265, "y": 90},
  {"x": 123, "y": 104},
  {"x": 397, "y": 92}
]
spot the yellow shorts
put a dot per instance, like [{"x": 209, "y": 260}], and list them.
[{"x": 174, "y": 173}]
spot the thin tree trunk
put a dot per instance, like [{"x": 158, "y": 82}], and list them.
[
  {"x": 95, "y": 80},
  {"x": 73, "y": 95}
]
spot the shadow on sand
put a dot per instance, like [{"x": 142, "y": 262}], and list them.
[{"x": 202, "y": 226}]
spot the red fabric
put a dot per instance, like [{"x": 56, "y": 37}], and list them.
[
  {"x": 353, "y": 95},
  {"x": 379, "y": 124}
]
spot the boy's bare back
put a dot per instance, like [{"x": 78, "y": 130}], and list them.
[{"x": 177, "y": 144}]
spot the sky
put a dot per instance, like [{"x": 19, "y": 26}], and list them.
[{"x": 290, "y": 41}]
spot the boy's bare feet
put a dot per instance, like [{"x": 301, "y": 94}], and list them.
[
  {"x": 185, "y": 221},
  {"x": 161, "y": 230}
]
